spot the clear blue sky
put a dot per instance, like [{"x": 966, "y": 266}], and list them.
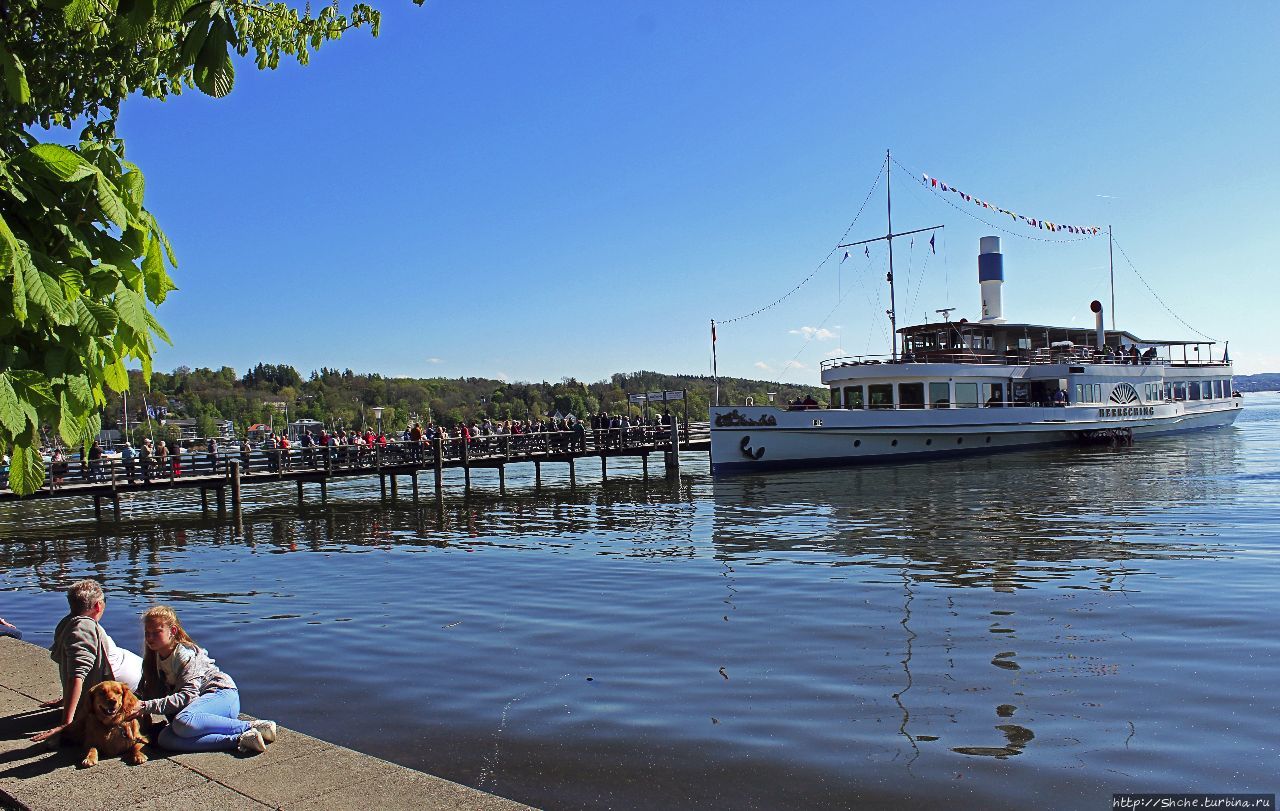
[{"x": 539, "y": 190}]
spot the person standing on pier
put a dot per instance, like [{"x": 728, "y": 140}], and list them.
[
  {"x": 211, "y": 449},
  {"x": 128, "y": 456},
  {"x": 144, "y": 458}
]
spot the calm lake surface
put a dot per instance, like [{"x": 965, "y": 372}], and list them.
[{"x": 1049, "y": 626}]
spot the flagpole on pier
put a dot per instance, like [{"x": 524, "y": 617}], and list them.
[{"x": 715, "y": 373}]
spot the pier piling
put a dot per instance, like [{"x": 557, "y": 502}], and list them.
[
  {"x": 300, "y": 492},
  {"x": 439, "y": 450},
  {"x": 235, "y": 491}
]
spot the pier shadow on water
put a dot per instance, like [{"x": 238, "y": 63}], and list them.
[{"x": 979, "y": 632}]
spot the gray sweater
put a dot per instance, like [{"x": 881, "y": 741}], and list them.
[
  {"x": 80, "y": 650},
  {"x": 189, "y": 674}
]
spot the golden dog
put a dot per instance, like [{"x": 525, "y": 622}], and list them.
[{"x": 100, "y": 727}]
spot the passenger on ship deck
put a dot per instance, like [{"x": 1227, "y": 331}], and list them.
[
  {"x": 994, "y": 400},
  {"x": 1059, "y": 397}
]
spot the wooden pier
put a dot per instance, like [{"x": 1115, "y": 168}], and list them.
[{"x": 105, "y": 480}]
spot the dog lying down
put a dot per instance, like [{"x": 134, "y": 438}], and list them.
[{"x": 99, "y": 726}]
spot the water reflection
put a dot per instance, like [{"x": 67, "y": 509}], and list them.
[
  {"x": 991, "y": 522},
  {"x": 942, "y": 633}
]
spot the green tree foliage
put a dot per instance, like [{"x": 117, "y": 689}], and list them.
[
  {"x": 82, "y": 261},
  {"x": 345, "y": 399}
]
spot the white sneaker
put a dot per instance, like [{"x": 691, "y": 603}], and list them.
[
  {"x": 251, "y": 742},
  {"x": 267, "y": 729}
]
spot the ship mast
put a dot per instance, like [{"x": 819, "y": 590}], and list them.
[
  {"x": 888, "y": 205},
  {"x": 892, "y": 312}
]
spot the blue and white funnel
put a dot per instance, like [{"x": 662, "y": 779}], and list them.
[{"x": 991, "y": 278}]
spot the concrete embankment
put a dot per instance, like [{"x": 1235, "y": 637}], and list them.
[{"x": 296, "y": 772}]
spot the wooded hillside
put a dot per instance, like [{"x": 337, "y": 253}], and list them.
[{"x": 265, "y": 393}]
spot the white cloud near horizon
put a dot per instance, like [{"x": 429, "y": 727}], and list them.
[
  {"x": 814, "y": 333},
  {"x": 762, "y": 366}
]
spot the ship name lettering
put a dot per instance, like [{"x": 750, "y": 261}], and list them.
[{"x": 1127, "y": 411}]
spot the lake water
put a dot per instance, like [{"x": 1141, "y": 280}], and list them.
[{"x": 1048, "y": 626}]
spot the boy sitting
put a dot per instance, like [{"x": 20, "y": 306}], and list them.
[{"x": 85, "y": 654}]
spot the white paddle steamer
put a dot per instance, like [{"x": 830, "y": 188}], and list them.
[{"x": 973, "y": 387}]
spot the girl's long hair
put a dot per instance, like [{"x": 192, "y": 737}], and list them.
[{"x": 166, "y": 615}]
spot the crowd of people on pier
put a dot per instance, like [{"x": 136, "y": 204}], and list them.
[{"x": 165, "y": 459}]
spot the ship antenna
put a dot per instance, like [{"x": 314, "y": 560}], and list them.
[{"x": 1111, "y": 260}]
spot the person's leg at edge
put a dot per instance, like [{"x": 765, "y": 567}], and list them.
[{"x": 208, "y": 724}]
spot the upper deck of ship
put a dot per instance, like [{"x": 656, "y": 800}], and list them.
[{"x": 1004, "y": 344}]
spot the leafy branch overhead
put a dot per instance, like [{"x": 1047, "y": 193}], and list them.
[{"x": 82, "y": 261}]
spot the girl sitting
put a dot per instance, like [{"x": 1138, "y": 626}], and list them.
[{"x": 181, "y": 682}]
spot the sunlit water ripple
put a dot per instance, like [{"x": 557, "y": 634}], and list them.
[{"x": 985, "y": 632}]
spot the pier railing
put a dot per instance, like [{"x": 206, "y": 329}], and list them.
[{"x": 192, "y": 467}]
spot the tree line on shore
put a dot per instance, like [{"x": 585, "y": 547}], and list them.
[{"x": 273, "y": 394}]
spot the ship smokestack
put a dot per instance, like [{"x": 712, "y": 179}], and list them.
[
  {"x": 1096, "y": 306},
  {"x": 991, "y": 279}
]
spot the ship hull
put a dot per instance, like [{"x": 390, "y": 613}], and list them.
[{"x": 748, "y": 439}]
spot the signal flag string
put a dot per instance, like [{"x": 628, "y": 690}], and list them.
[
  {"x": 826, "y": 259},
  {"x": 1155, "y": 294},
  {"x": 923, "y": 180}
]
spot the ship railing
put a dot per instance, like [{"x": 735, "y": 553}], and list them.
[{"x": 1035, "y": 357}]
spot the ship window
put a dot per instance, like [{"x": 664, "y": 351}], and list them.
[
  {"x": 1180, "y": 390},
  {"x": 835, "y": 397},
  {"x": 992, "y": 394},
  {"x": 939, "y": 395},
  {"x": 1217, "y": 388},
  {"x": 1097, "y": 392},
  {"x": 911, "y": 395},
  {"x": 1079, "y": 392},
  {"x": 853, "y": 397},
  {"x": 966, "y": 395},
  {"x": 1193, "y": 390},
  {"x": 880, "y": 395},
  {"x": 1206, "y": 390}
]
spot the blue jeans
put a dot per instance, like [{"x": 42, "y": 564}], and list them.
[{"x": 208, "y": 724}]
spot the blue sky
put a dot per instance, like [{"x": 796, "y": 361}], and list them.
[{"x": 540, "y": 190}]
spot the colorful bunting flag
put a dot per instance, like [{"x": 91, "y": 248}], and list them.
[{"x": 1044, "y": 225}]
